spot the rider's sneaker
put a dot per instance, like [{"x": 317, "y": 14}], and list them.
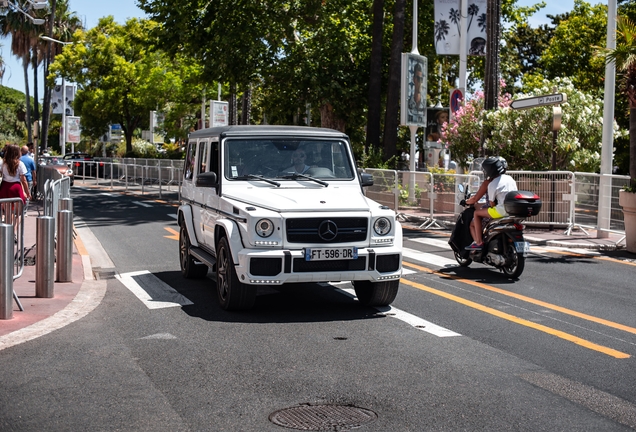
[{"x": 474, "y": 246}]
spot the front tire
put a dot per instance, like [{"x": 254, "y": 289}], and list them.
[
  {"x": 463, "y": 262},
  {"x": 515, "y": 263},
  {"x": 233, "y": 295},
  {"x": 376, "y": 293},
  {"x": 189, "y": 268}
]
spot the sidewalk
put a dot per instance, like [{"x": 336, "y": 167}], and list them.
[
  {"x": 75, "y": 299},
  {"x": 36, "y": 309}
]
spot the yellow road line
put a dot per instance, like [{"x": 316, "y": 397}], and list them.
[
  {"x": 598, "y": 257},
  {"x": 566, "y": 336},
  {"x": 529, "y": 300},
  {"x": 174, "y": 236}
]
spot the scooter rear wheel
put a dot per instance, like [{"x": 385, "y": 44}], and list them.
[
  {"x": 464, "y": 262},
  {"x": 517, "y": 263}
]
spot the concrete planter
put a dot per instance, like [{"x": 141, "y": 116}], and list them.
[{"x": 627, "y": 200}]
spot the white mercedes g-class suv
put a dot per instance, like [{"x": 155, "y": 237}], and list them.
[{"x": 272, "y": 205}]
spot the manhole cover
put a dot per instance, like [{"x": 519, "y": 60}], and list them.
[{"x": 332, "y": 418}]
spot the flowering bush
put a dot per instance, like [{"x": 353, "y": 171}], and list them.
[{"x": 525, "y": 138}]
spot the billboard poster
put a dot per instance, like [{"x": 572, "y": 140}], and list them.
[
  {"x": 436, "y": 119},
  {"x": 73, "y": 134},
  {"x": 448, "y": 27},
  {"x": 219, "y": 113},
  {"x": 414, "y": 89},
  {"x": 57, "y": 97}
]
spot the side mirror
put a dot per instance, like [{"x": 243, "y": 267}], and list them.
[
  {"x": 460, "y": 187},
  {"x": 207, "y": 179},
  {"x": 366, "y": 179}
]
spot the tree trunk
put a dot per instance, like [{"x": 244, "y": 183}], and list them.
[
  {"x": 25, "y": 67},
  {"x": 491, "y": 83},
  {"x": 329, "y": 120},
  {"x": 46, "y": 109},
  {"x": 36, "y": 104},
  {"x": 246, "y": 109},
  {"x": 233, "y": 108},
  {"x": 391, "y": 120},
  {"x": 375, "y": 78}
]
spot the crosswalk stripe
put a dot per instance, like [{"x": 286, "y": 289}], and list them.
[
  {"x": 443, "y": 244},
  {"x": 428, "y": 258},
  {"x": 152, "y": 291}
]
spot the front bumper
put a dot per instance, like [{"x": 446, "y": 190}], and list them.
[{"x": 277, "y": 267}]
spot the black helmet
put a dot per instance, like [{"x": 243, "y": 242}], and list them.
[{"x": 493, "y": 167}]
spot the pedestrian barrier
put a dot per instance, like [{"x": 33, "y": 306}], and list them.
[{"x": 570, "y": 200}]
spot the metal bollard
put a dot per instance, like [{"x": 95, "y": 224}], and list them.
[
  {"x": 44, "y": 256},
  {"x": 64, "y": 252},
  {"x": 6, "y": 271},
  {"x": 66, "y": 204}
]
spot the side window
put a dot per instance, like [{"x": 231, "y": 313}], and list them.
[
  {"x": 203, "y": 157},
  {"x": 214, "y": 157},
  {"x": 188, "y": 169}
]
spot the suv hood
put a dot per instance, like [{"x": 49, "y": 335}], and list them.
[{"x": 304, "y": 199}]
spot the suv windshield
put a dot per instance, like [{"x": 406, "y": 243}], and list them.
[{"x": 283, "y": 158}]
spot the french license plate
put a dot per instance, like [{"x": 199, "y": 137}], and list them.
[
  {"x": 331, "y": 254},
  {"x": 522, "y": 247}
]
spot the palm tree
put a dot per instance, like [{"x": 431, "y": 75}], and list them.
[
  {"x": 23, "y": 36},
  {"x": 473, "y": 11},
  {"x": 455, "y": 17},
  {"x": 624, "y": 55},
  {"x": 62, "y": 28},
  {"x": 441, "y": 30}
]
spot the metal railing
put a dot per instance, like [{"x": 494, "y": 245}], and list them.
[
  {"x": 570, "y": 200},
  {"x": 148, "y": 174}
]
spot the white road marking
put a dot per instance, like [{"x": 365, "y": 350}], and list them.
[
  {"x": 142, "y": 204},
  {"x": 406, "y": 271},
  {"x": 443, "y": 244},
  {"x": 428, "y": 258},
  {"x": 415, "y": 321},
  {"x": 106, "y": 194},
  {"x": 152, "y": 291},
  {"x": 160, "y": 336},
  {"x": 172, "y": 215}
]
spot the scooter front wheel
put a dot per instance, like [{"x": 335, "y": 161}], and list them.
[
  {"x": 464, "y": 262},
  {"x": 515, "y": 263}
]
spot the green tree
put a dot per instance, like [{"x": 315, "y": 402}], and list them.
[
  {"x": 119, "y": 74},
  {"x": 571, "y": 52},
  {"x": 524, "y": 137},
  {"x": 625, "y": 57}
]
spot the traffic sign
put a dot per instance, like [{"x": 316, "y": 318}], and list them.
[{"x": 537, "y": 101}]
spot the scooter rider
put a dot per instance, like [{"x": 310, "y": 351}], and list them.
[{"x": 498, "y": 184}]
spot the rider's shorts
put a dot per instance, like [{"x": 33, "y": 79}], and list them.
[{"x": 497, "y": 212}]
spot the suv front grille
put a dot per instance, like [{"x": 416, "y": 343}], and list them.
[
  {"x": 302, "y": 266},
  {"x": 327, "y": 230}
]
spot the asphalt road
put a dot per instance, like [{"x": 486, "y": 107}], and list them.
[{"x": 462, "y": 349}]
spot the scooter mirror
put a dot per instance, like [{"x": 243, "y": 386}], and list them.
[{"x": 460, "y": 187}]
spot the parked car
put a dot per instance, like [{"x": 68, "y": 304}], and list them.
[
  {"x": 59, "y": 165},
  {"x": 84, "y": 165}
]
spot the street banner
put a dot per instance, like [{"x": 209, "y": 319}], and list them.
[
  {"x": 219, "y": 113},
  {"x": 57, "y": 96},
  {"x": 414, "y": 89},
  {"x": 73, "y": 133},
  {"x": 448, "y": 27}
]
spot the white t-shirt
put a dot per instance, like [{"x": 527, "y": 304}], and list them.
[
  {"x": 497, "y": 190},
  {"x": 16, "y": 178}
]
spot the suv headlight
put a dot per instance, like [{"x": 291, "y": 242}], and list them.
[
  {"x": 382, "y": 226},
  {"x": 264, "y": 228}
]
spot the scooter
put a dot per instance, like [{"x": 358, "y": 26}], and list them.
[{"x": 504, "y": 245}]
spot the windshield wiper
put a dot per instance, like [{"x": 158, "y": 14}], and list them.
[
  {"x": 256, "y": 177},
  {"x": 296, "y": 176}
]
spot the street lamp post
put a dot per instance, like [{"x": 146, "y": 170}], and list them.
[{"x": 63, "y": 137}]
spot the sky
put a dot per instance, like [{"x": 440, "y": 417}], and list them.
[{"x": 90, "y": 11}]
